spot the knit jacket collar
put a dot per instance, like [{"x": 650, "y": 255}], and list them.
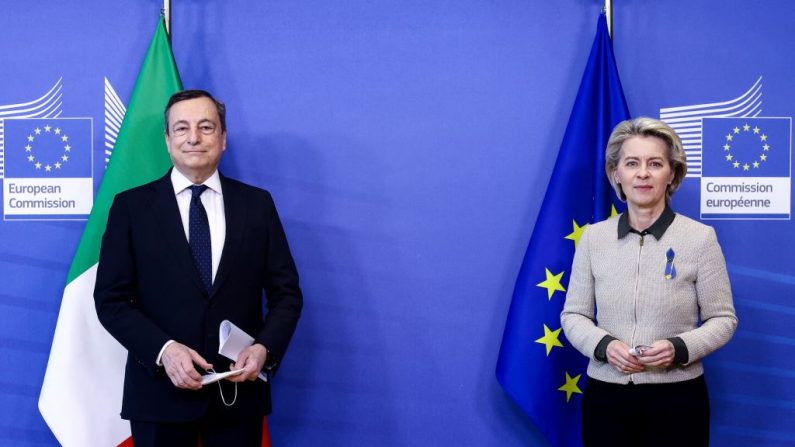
[{"x": 657, "y": 229}]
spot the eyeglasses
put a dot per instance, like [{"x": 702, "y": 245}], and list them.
[{"x": 180, "y": 130}]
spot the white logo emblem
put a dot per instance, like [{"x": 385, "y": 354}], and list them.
[{"x": 743, "y": 159}]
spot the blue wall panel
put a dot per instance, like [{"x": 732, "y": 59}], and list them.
[{"x": 407, "y": 145}]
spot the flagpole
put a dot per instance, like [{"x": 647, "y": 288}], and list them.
[
  {"x": 167, "y": 17},
  {"x": 608, "y": 10}
]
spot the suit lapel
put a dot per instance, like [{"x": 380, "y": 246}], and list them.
[
  {"x": 235, "y": 215},
  {"x": 169, "y": 221}
]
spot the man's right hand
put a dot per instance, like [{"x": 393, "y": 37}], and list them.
[{"x": 178, "y": 361}]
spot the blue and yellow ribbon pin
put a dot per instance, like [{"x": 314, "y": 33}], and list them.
[{"x": 670, "y": 270}]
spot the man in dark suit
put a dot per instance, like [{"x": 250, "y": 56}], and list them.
[{"x": 180, "y": 255}]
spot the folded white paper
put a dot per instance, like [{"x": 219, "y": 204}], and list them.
[{"x": 232, "y": 340}]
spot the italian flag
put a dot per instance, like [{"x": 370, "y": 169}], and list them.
[{"x": 81, "y": 396}]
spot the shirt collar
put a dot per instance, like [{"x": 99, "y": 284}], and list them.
[
  {"x": 657, "y": 229},
  {"x": 181, "y": 183}
]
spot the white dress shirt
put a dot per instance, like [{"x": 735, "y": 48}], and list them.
[{"x": 213, "y": 201}]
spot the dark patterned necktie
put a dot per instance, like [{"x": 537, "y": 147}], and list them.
[{"x": 199, "y": 236}]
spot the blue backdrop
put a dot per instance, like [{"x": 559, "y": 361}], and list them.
[{"x": 408, "y": 145}]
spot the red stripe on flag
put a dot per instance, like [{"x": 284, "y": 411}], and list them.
[{"x": 266, "y": 437}]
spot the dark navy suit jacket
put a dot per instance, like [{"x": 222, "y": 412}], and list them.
[{"x": 148, "y": 291}]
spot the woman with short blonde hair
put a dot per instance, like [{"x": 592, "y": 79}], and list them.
[{"x": 658, "y": 282}]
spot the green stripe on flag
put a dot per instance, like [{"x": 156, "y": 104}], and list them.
[{"x": 139, "y": 155}]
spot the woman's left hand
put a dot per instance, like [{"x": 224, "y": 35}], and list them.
[{"x": 660, "y": 355}]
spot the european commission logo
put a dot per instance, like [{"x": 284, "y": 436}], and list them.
[
  {"x": 746, "y": 168},
  {"x": 743, "y": 160},
  {"x": 48, "y": 168},
  {"x": 46, "y": 160}
]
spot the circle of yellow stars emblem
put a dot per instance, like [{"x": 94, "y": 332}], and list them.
[
  {"x": 746, "y": 132},
  {"x": 43, "y": 133}
]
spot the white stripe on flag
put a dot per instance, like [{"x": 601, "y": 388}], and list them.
[{"x": 82, "y": 390}]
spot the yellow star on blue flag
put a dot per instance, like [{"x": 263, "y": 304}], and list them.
[
  {"x": 550, "y": 339},
  {"x": 552, "y": 283}
]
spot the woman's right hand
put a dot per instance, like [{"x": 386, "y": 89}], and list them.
[{"x": 619, "y": 357}]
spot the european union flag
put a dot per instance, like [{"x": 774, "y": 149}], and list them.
[
  {"x": 47, "y": 148},
  {"x": 537, "y": 366},
  {"x": 746, "y": 147}
]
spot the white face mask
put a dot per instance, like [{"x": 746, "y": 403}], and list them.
[{"x": 221, "y": 390}]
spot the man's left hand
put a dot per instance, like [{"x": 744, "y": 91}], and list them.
[{"x": 251, "y": 359}]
